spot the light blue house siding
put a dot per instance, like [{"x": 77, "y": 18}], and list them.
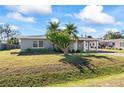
[
  {"x": 34, "y": 42},
  {"x": 28, "y": 43}
]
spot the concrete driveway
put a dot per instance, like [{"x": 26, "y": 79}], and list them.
[{"x": 113, "y": 54}]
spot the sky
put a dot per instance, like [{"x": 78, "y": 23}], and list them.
[{"x": 90, "y": 20}]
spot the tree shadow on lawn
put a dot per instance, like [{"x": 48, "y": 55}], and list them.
[{"x": 82, "y": 61}]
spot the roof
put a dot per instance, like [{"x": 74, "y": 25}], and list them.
[
  {"x": 88, "y": 39},
  {"x": 44, "y": 37},
  {"x": 33, "y": 37}
]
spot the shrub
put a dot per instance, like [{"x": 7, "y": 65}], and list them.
[
  {"x": 109, "y": 48},
  {"x": 58, "y": 50},
  {"x": 69, "y": 51},
  {"x": 78, "y": 51},
  {"x": 106, "y": 48},
  {"x": 37, "y": 51},
  {"x": 120, "y": 49},
  {"x": 112, "y": 48},
  {"x": 28, "y": 50},
  {"x": 14, "y": 52},
  {"x": 73, "y": 51}
]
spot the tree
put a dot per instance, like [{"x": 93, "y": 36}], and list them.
[
  {"x": 71, "y": 30},
  {"x": 60, "y": 38},
  {"x": 7, "y": 32},
  {"x": 118, "y": 35},
  {"x": 89, "y": 37},
  {"x": 53, "y": 26},
  {"x": 1, "y": 32},
  {"x": 113, "y": 35},
  {"x": 13, "y": 41}
]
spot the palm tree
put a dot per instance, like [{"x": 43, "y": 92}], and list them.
[
  {"x": 71, "y": 30},
  {"x": 53, "y": 26}
]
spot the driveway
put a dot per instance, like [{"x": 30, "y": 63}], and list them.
[{"x": 114, "y": 54}]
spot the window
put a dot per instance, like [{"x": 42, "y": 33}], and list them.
[
  {"x": 35, "y": 44},
  {"x": 113, "y": 43},
  {"x": 40, "y": 43},
  {"x": 86, "y": 44},
  {"x": 90, "y": 44},
  {"x": 122, "y": 44}
]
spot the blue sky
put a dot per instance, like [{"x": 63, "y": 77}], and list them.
[{"x": 90, "y": 20}]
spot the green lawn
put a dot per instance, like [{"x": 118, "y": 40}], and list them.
[
  {"x": 54, "y": 69},
  {"x": 116, "y": 79}
]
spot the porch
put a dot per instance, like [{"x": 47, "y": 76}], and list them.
[{"x": 86, "y": 45}]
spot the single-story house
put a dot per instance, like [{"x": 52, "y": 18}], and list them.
[
  {"x": 35, "y": 42},
  {"x": 113, "y": 43}
]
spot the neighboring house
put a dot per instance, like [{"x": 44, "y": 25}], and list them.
[
  {"x": 35, "y": 42},
  {"x": 113, "y": 43},
  {"x": 2, "y": 46}
]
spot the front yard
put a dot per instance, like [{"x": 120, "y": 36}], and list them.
[
  {"x": 102, "y": 81},
  {"x": 54, "y": 69}
]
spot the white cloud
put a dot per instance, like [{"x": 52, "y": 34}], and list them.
[
  {"x": 111, "y": 29},
  {"x": 54, "y": 20},
  {"x": 46, "y": 9},
  {"x": 18, "y": 11},
  {"x": 95, "y": 14},
  {"x": 20, "y": 17},
  {"x": 69, "y": 15},
  {"x": 62, "y": 27},
  {"x": 87, "y": 29},
  {"x": 31, "y": 9},
  {"x": 2, "y": 23},
  {"x": 13, "y": 27},
  {"x": 119, "y": 24}
]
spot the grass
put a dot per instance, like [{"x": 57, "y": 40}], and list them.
[
  {"x": 8, "y": 60},
  {"x": 52, "y": 69},
  {"x": 98, "y": 81}
]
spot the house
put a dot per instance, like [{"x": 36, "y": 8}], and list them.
[
  {"x": 35, "y": 42},
  {"x": 113, "y": 43}
]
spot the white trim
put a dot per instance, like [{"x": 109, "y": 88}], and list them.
[
  {"x": 76, "y": 45},
  {"x": 97, "y": 44},
  {"x": 84, "y": 46}
]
